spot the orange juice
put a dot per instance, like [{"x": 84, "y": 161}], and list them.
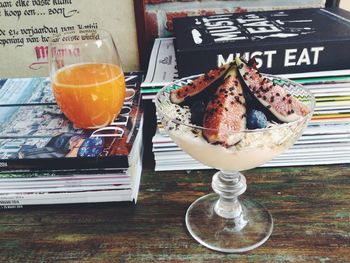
[{"x": 90, "y": 95}]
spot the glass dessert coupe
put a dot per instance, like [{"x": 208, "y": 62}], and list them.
[{"x": 224, "y": 221}]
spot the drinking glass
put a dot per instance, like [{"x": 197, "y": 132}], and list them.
[
  {"x": 87, "y": 77},
  {"x": 225, "y": 221}
]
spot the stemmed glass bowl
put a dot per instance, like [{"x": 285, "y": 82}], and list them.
[{"x": 225, "y": 221}]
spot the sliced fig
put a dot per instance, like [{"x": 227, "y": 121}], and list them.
[
  {"x": 179, "y": 95},
  {"x": 275, "y": 98},
  {"x": 253, "y": 63},
  {"x": 225, "y": 114}
]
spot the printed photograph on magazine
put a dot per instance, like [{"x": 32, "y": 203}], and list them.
[{"x": 35, "y": 134}]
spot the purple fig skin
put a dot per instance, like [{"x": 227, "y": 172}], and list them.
[
  {"x": 198, "y": 85},
  {"x": 275, "y": 98}
]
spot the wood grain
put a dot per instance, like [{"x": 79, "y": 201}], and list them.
[{"x": 310, "y": 206}]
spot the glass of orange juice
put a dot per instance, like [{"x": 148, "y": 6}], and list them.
[{"x": 87, "y": 77}]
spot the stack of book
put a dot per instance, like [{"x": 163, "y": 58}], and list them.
[
  {"x": 44, "y": 159},
  {"x": 299, "y": 48}
]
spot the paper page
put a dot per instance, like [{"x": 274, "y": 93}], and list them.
[{"x": 162, "y": 67}]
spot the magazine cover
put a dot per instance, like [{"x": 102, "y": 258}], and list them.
[
  {"x": 35, "y": 135},
  {"x": 282, "y": 41}
]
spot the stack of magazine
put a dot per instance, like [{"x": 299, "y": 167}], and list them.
[
  {"x": 162, "y": 68},
  {"x": 44, "y": 159},
  {"x": 325, "y": 141}
]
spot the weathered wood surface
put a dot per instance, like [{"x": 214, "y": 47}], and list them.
[{"x": 310, "y": 206}]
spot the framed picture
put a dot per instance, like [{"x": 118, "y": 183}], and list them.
[{"x": 26, "y": 27}]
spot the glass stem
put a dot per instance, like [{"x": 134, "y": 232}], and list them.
[{"x": 229, "y": 185}]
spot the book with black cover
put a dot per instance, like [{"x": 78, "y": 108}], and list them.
[
  {"x": 283, "y": 42},
  {"x": 35, "y": 135}
]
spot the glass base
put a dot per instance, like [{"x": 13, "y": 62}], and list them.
[{"x": 231, "y": 235}]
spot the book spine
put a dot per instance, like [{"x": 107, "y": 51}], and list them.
[
  {"x": 18, "y": 200},
  {"x": 47, "y": 164},
  {"x": 280, "y": 59},
  {"x": 61, "y": 185}
]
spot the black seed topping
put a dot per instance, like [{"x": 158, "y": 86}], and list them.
[
  {"x": 291, "y": 111},
  {"x": 264, "y": 97},
  {"x": 226, "y": 109},
  {"x": 288, "y": 95},
  {"x": 277, "y": 94}
]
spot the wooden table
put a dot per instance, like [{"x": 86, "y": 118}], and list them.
[{"x": 310, "y": 206}]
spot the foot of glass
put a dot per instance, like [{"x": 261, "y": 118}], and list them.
[{"x": 226, "y": 223}]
